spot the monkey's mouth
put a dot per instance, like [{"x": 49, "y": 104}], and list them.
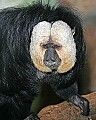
[{"x": 52, "y": 65}]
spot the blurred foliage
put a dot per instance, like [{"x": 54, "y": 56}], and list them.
[
  {"x": 30, "y": 2},
  {"x": 10, "y": 3}
]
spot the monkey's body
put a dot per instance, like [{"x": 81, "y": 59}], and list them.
[{"x": 20, "y": 79}]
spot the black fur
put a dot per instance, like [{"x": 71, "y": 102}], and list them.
[{"x": 19, "y": 83}]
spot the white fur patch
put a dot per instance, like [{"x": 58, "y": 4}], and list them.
[
  {"x": 40, "y": 34},
  {"x": 61, "y": 33}
]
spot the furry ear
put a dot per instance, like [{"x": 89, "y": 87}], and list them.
[{"x": 73, "y": 31}]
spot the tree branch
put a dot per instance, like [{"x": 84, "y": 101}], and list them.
[{"x": 67, "y": 111}]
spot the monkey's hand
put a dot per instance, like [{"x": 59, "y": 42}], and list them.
[
  {"x": 71, "y": 94},
  {"x": 32, "y": 116},
  {"x": 82, "y": 103}
]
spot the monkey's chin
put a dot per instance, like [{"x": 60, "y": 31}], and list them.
[{"x": 54, "y": 71}]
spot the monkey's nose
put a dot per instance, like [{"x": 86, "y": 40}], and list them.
[{"x": 51, "y": 59}]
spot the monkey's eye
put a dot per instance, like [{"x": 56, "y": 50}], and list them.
[
  {"x": 43, "y": 45},
  {"x": 46, "y": 45},
  {"x": 57, "y": 46}
]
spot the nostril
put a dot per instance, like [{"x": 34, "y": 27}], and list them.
[{"x": 53, "y": 60}]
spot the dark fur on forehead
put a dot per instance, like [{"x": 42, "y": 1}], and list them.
[{"x": 16, "y": 25}]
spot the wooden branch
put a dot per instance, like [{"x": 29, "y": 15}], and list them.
[{"x": 67, "y": 111}]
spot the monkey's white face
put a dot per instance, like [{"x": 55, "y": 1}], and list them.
[{"x": 62, "y": 36}]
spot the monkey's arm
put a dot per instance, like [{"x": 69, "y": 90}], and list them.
[{"x": 71, "y": 94}]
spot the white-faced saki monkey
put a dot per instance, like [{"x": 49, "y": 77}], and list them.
[{"x": 39, "y": 45}]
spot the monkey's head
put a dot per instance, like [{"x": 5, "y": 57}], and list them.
[{"x": 53, "y": 47}]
